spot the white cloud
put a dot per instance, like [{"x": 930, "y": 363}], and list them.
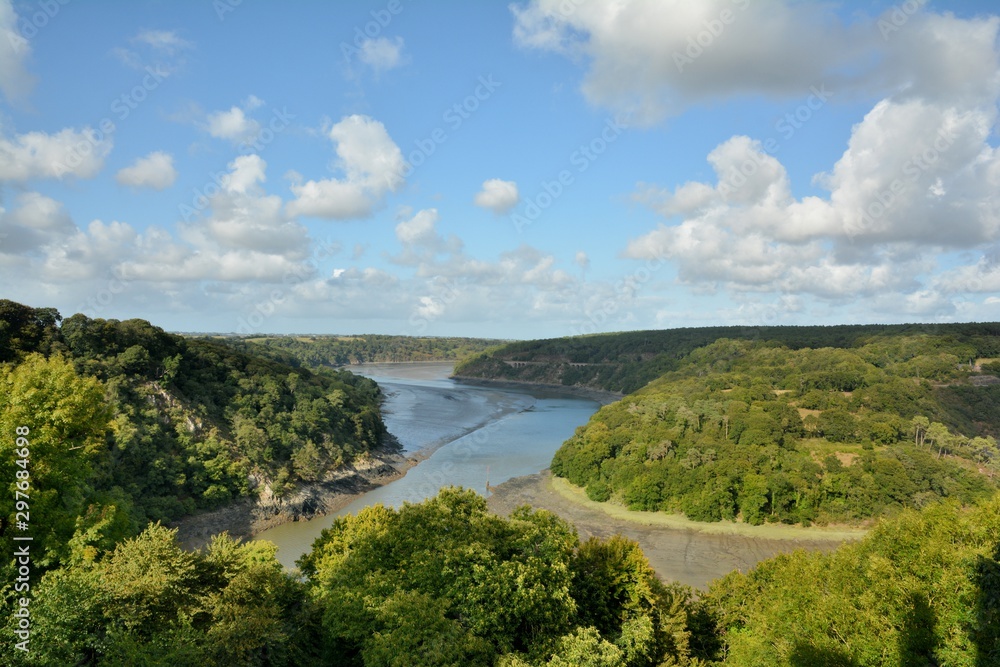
[
  {"x": 418, "y": 230},
  {"x": 372, "y": 165},
  {"x": 233, "y": 125},
  {"x": 166, "y": 41},
  {"x": 918, "y": 179},
  {"x": 15, "y": 81},
  {"x": 243, "y": 235},
  {"x": 40, "y": 155},
  {"x": 163, "y": 50},
  {"x": 155, "y": 171},
  {"x": 655, "y": 59},
  {"x": 36, "y": 222},
  {"x": 382, "y": 54},
  {"x": 498, "y": 195},
  {"x": 642, "y": 59}
]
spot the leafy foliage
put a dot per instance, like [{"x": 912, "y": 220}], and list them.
[
  {"x": 922, "y": 589},
  {"x": 196, "y": 423},
  {"x": 148, "y": 602},
  {"x": 320, "y": 351},
  {"x": 762, "y": 433},
  {"x": 444, "y": 582},
  {"x": 624, "y": 362}
]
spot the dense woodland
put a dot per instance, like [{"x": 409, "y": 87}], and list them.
[
  {"x": 128, "y": 423},
  {"x": 445, "y": 583},
  {"x": 759, "y": 432},
  {"x": 624, "y": 362},
  {"x": 181, "y": 424},
  {"x": 336, "y": 351}
]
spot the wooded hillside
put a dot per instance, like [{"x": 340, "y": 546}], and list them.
[{"x": 760, "y": 432}]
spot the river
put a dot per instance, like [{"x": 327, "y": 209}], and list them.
[
  {"x": 473, "y": 435},
  {"x": 469, "y": 435}
]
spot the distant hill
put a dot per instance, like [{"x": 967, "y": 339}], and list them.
[
  {"x": 624, "y": 362},
  {"x": 336, "y": 351}
]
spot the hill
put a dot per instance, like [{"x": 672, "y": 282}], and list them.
[
  {"x": 336, "y": 351},
  {"x": 757, "y": 431},
  {"x": 624, "y": 362},
  {"x": 191, "y": 423}
]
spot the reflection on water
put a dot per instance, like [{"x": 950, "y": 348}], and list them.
[{"x": 475, "y": 435}]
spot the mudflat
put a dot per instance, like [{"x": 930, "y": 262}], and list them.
[{"x": 678, "y": 550}]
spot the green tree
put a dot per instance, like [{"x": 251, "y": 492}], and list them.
[{"x": 52, "y": 427}]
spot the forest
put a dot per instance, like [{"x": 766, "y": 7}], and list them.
[
  {"x": 624, "y": 362},
  {"x": 108, "y": 428},
  {"x": 178, "y": 424},
  {"x": 757, "y": 432},
  {"x": 445, "y": 583},
  {"x": 336, "y": 351}
]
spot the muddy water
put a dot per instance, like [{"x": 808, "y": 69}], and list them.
[
  {"x": 469, "y": 436},
  {"x": 474, "y": 435}
]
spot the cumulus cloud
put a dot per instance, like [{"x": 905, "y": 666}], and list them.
[
  {"x": 382, "y": 54},
  {"x": 155, "y": 171},
  {"x": 15, "y": 81},
  {"x": 35, "y": 222},
  {"x": 68, "y": 152},
  {"x": 917, "y": 180},
  {"x": 655, "y": 59},
  {"x": 242, "y": 235},
  {"x": 372, "y": 165},
  {"x": 498, "y": 195},
  {"x": 233, "y": 125},
  {"x": 651, "y": 58}
]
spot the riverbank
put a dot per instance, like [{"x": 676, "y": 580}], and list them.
[
  {"x": 598, "y": 395},
  {"x": 678, "y": 549},
  {"x": 246, "y": 518}
]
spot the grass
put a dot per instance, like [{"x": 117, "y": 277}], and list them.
[{"x": 680, "y": 522}]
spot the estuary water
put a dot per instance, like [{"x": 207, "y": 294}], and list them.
[{"x": 469, "y": 435}]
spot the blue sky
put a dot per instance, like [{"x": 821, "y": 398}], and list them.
[{"x": 531, "y": 169}]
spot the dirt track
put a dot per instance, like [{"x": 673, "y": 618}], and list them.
[{"x": 689, "y": 556}]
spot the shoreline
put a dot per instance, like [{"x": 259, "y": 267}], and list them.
[
  {"x": 599, "y": 395},
  {"x": 245, "y": 518},
  {"x": 690, "y": 553},
  {"x": 773, "y": 531}
]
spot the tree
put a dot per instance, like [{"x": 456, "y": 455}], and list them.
[
  {"x": 919, "y": 425},
  {"x": 52, "y": 427}
]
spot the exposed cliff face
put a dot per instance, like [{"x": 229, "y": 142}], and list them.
[{"x": 247, "y": 517}]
